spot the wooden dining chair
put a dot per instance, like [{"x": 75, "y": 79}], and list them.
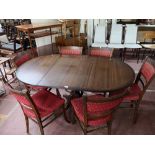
[
  {"x": 3, "y": 81},
  {"x": 142, "y": 82},
  {"x": 42, "y": 107},
  {"x": 95, "y": 111},
  {"x": 70, "y": 50},
  {"x": 103, "y": 52},
  {"x": 137, "y": 90}
]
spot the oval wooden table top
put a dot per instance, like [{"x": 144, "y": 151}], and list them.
[{"x": 82, "y": 72}]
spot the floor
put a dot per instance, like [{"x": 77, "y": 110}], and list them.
[{"x": 12, "y": 119}]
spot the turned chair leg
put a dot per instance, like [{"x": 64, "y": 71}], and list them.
[
  {"x": 27, "y": 124},
  {"x": 136, "y": 112},
  {"x": 109, "y": 125},
  {"x": 65, "y": 115},
  {"x": 41, "y": 128}
]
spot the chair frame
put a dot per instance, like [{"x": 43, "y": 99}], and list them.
[
  {"x": 84, "y": 125},
  {"x": 33, "y": 107},
  {"x": 145, "y": 86}
]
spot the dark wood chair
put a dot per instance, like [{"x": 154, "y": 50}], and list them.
[
  {"x": 70, "y": 50},
  {"x": 104, "y": 52},
  {"x": 96, "y": 111},
  {"x": 2, "y": 79},
  {"x": 43, "y": 107},
  {"x": 12, "y": 45},
  {"x": 136, "y": 92},
  {"x": 142, "y": 82}
]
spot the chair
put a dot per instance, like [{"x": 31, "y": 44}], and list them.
[
  {"x": 116, "y": 37},
  {"x": 95, "y": 111},
  {"x": 39, "y": 107},
  {"x": 104, "y": 52},
  {"x": 139, "y": 87},
  {"x": 100, "y": 37},
  {"x": 131, "y": 39},
  {"x": 70, "y": 50},
  {"x": 6, "y": 44},
  {"x": 17, "y": 63},
  {"x": 2, "y": 79}
]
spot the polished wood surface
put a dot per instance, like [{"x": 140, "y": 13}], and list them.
[
  {"x": 30, "y": 27},
  {"x": 82, "y": 72}
]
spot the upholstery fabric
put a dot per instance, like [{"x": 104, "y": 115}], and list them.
[
  {"x": 147, "y": 71},
  {"x": 94, "y": 108},
  {"x": 101, "y": 52},
  {"x": 11, "y": 46},
  {"x": 70, "y": 52},
  {"x": 22, "y": 60},
  {"x": 133, "y": 93},
  {"x": 46, "y": 103}
]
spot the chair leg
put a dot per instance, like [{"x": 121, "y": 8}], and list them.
[
  {"x": 27, "y": 124},
  {"x": 109, "y": 125},
  {"x": 65, "y": 115},
  {"x": 85, "y": 131},
  {"x": 136, "y": 112},
  {"x": 41, "y": 128},
  {"x": 58, "y": 93}
]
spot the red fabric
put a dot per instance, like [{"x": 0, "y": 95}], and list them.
[
  {"x": 147, "y": 71},
  {"x": 70, "y": 52},
  {"x": 46, "y": 103},
  {"x": 133, "y": 93},
  {"x": 22, "y": 60},
  {"x": 94, "y": 108},
  {"x": 101, "y": 52}
]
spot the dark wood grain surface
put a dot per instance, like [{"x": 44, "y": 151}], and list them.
[{"x": 77, "y": 73}]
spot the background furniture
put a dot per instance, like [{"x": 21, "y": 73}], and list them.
[
  {"x": 44, "y": 30},
  {"x": 100, "y": 37}
]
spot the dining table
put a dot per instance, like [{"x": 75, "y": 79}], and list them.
[{"x": 77, "y": 73}]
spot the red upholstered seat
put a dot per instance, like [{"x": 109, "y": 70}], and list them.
[
  {"x": 101, "y": 52},
  {"x": 95, "y": 108},
  {"x": 22, "y": 60},
  {"x": 45, "y": 101},
  {"x": 133, "y": 93}
]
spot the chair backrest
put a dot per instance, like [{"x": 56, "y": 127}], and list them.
[
  {"x": 100, "y": 34},
  {"x": 146, "y": 74},
  {"x": 116, "y": 34},
  {"x": 22, "y": 60},
  {"x": 97, "y": 106},
  {"x": 131, "y": 34},
  {"x": 104, "y": 52},
  {"x": 4, "y": 39},
  {"x": 26, "y": 102},
  {"x": 70, "y": 50}
]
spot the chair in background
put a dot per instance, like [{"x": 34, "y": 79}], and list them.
[
  {"x": 95, "y": 111},
  {"x": 100, "y": 37},
  {"x": 2, "y": 79},
  {"x": 104, "y": 52},
  {"x": 70, "y": 50},
  {"x": 137, "y": 90},
  {"x": 130, "y": 40},
  {"x": 116, "y": 37},
  {"x": 9, "y": 45},
  {"x": 40, "y": 107}
]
